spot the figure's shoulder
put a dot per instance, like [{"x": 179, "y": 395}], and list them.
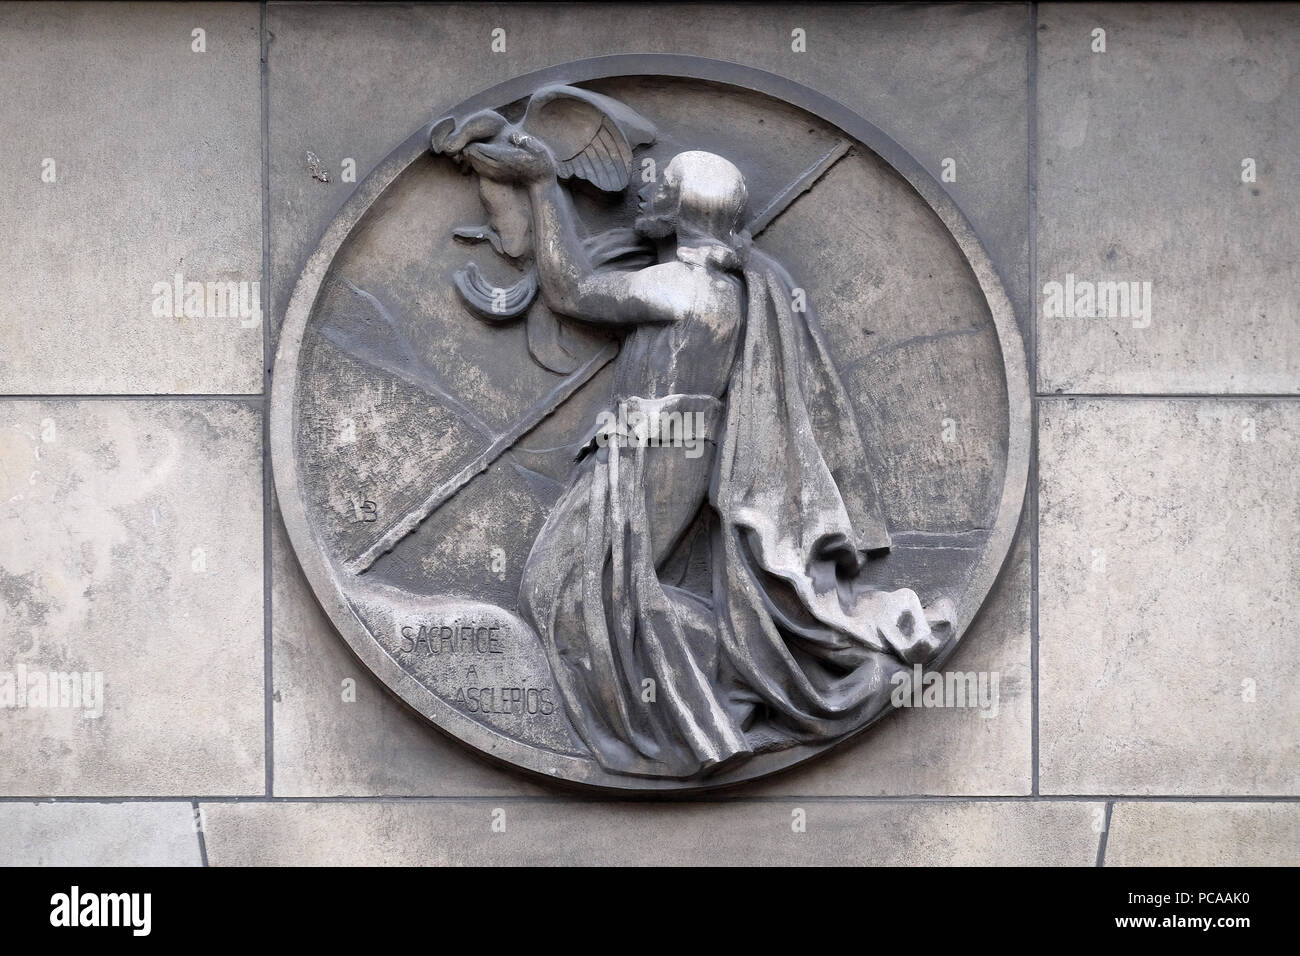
[
  {"x": 673, "y": 280},
  {"x": 704, "y": 279},
  {"x": 676, "y": 290},
  {"x": 672, "y": 271}
]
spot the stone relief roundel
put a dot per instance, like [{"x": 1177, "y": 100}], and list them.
[{"x": 644, "y": 422}]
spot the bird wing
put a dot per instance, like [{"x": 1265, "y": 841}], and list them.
[{"x": 590, "y": 135}]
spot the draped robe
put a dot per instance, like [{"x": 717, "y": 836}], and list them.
[{"x": 786, "y": 648}]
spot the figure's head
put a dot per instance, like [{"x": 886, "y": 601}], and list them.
[{"x": 698, "y": 193}]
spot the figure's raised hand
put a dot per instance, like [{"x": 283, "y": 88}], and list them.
[
  {"x": 495, "y": 148},
  {"x": 511, "y": 156}
]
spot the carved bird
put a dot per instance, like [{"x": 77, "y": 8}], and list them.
[{"x": 590, "y": 137}]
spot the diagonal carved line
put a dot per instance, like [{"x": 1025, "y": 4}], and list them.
[
  {"x": 785, "y": 199},
  {"x": 566, "y": 389},
  {"x": 540, "y": 410}
]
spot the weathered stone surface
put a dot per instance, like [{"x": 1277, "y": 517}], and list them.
[
  {"x": 326, "y": 745},
  {"x": 98, "y": 834},
  {"x": 451, "y": 832},
  {"x": 1169, "y": 597},
  {"x": 386, "y": 389},
  {"x": 131, "y": 547},
  {"x": 152, "y": 178},
  {"x": 946, "y": 82},
  {"x": 1145, "y": 646},
  {"x": 1204, "y": 834},
  {"x": 954, "y": 751},
  {"x": 1140, "y": 155}
]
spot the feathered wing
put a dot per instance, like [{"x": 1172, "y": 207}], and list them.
[
  {"x": 605, "y": 161},
  {"x": 590, "y": 135}
]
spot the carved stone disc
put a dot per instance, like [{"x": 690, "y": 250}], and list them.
[{"x": 420, "y": 446}]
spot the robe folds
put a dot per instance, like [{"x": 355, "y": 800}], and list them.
[{"x": 782, "y": 648}]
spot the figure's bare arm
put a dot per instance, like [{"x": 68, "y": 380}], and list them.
[
  {"x": 571, "y": 285},
  {"x": 567, "y": 278}
]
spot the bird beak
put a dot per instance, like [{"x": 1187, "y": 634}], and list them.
[{"x": 448, "y": 136}]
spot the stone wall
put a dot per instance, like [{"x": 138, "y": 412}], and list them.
[{"x": 1144, "y": 629}]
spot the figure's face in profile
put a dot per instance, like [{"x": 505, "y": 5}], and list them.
[{"x": 658, "y": 204}]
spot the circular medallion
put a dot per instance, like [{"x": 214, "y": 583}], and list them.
[{"x": 643, "y": 422}]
